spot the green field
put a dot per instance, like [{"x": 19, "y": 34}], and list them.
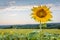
[
  {"x": 29, "y": 34},
  {"x": 56, "y": 31}
]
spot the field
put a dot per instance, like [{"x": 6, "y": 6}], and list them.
[
  {"x": 29, "y": 34},
  {"x": 56, "y": 31}
]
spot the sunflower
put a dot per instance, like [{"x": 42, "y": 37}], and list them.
[{"x": 41, "y": 13}]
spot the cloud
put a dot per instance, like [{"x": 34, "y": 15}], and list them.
[
  {"x": 12, "y": 15},
  {"x": 11, "y": 3},
  {"x": 8, "y": 3},
  {"x": 19, "y": 8},
  {"x": 53, "y": 7},
  {"x": 49, "y": 5}
]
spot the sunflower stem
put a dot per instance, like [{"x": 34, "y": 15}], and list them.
[
  {"x": 40, "y": 25},
  {"x": 40, "y": 29}
]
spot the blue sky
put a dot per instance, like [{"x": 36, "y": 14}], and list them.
[{"x": 18, "y": 11}]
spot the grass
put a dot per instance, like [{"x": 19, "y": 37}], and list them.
[
  {"x": 29, "y": 34},
  {"x": 24, "y": 31}
]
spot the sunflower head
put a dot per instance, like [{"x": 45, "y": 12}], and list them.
[{"x": 41, "y": 13}]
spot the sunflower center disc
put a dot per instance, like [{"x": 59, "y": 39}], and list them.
[{"x": 41, "y": 13}]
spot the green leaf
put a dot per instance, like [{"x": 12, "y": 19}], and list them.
[{"x": 49, "y": 20}]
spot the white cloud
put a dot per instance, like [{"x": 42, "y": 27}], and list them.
[
  {"x": 52, "y": 7},
  {"x": 11, "y": 3},
  {"x": 12, "y": 14},
  {"x": 49, "y": 5},
  {"x": 18, "y": 8}
]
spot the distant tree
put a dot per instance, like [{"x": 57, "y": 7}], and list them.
[
  {"x": 14, "y": 27},
  {"x": 11, "y": 26},
  {"x": 58, "y": 26}
]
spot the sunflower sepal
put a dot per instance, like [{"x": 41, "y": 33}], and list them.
[{"x": 49, "y": 20}]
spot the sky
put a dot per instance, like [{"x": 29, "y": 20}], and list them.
[{"x": 18, "y": 11}]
